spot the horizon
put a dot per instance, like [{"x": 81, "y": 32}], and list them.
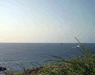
[
  {"x": 41, "y": 42},
  {"x": 47, "y": 21}
]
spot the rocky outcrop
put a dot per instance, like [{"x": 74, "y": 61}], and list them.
[{"x": 2, "y": 69}]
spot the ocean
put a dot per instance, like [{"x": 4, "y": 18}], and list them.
[{"x": 13, "y": 54}]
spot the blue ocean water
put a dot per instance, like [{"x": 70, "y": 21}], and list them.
[{"x": 13, "y": 54}]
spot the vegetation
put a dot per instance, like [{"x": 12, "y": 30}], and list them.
[{"x": 82, "y": 65}]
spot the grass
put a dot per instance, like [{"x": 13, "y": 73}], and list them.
[{"x": 82, "y": 65}]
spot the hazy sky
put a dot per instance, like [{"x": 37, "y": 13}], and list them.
[{"x": 47, "y": 21}]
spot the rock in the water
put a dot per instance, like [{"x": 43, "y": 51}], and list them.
[{"x": 2, "y": 68}]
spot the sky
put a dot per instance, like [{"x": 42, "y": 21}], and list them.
[{"x": 47, "y": 21}]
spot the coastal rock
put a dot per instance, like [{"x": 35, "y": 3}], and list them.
[{"x": 2, "y": 69}]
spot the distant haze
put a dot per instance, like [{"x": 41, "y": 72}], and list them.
[{"x": 47, "y": 21}]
